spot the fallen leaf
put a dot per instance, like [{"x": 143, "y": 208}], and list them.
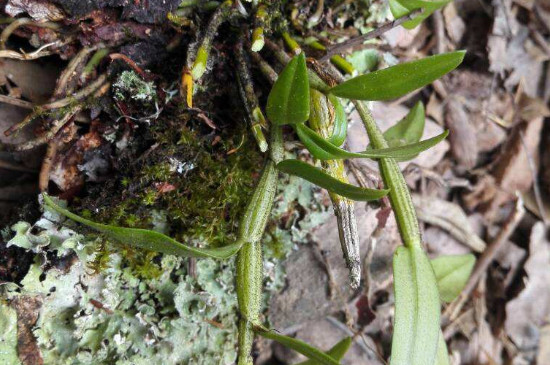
[
  {"x": 527, "y": 313},
  {"x": 450, "y": 217}
]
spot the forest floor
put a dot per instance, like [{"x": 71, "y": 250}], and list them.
[{"x": 128, "y": 149}]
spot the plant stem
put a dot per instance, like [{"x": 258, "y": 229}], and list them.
[
  {"x": 320, "y": 121},
  {"x": 337, "y": 60},
  {"x": 222, "y": 13},
  {"x": 258, "y": 32},
  {"x": 246, "y": 89},
  {"x": 400, "y": 197},
  {"x": 249, "y": 259}
]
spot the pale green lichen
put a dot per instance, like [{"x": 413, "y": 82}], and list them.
[
  {"x": 119, "y": 316},
  {"x": 130, "y": 85},
  {"x": 8, "y": 335}
]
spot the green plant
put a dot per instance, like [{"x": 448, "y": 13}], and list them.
[{"x": 300, "y": 96}]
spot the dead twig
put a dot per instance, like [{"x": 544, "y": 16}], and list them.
[
  {"x": 44, "y": 176},
  {"x": 79, "y": 95},
  {"x": 131, "y": 63},
  {"x": 484, "y": 261},
  {"x": 15, "y": 167},
  {"x": 342, "y": 47},
  {"x": 536, "y": 187},
  {"x": 249, "y": 98},
  {"x": 15, "y": 101},
  {"x": 21, "y": 22}
]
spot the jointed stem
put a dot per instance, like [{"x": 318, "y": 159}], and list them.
[
  {"x": 400, "y": 196},
  {"x": 198, "y": 66},
  {"x": 246, "y": 88},
  {"x": 258, "y": 40}
]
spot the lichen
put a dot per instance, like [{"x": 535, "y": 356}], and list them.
[
  {"x": 8, "y": 335},
  {"x": 115, "y": 305},
  {"x": 130, "y": 85}
]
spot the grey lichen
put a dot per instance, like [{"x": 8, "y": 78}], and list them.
[
  {"x": 130, "y": 85},
  {"x": 117, "y": 316}
]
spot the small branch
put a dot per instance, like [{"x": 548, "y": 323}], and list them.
[
  {"x": 484, "y": 261},
  {"x": 337, "y": 60},
  {"x": 15, "y": 101},
  {"x": 21, "y": 22},
  {"x": 264, "y": 67},
  {"x": 93, "y": 63},
  {"x": 342, "y": 47},
  {"x": 61, "y": 88},
  {"x": 44, "y": 176},
  {"x": 258, "y": 40},
  {"x": 279, "y": 54},
  {"x": 131, "y": 63},
  {"x": 316, "y": 17},
  {"x": 15, "y": 167},
  {"x": 81, "y": 94},
  {"x": 246, "y": 89},
  {"x": 221, "y": 15},
  {"x": 536, "y": 188}
]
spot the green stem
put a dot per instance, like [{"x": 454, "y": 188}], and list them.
[
  {"x": 250, "y": 100},
  {"x": 400, "y": 196},
  {"x": 222, "y": 13},
  {"x": 337, "y": 60},
  {"x": 249, "y": 259},
  {"x": 258, "y": 32}
]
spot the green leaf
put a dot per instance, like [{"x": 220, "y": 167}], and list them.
[
  {"x": 288, "y": 101},
  {"x": 409, "y": 129},
  {"x": 324, "y": 150},
  {"x": 340, "y": 129},
  {"x": 442, "y": 353},
  {"x": 452, "y": 273},
  {"x": 401, "y": 8},
  {"x": 318, "y": 177},
  {"x": 417, "y": 309},
  {"x": 147, "y": 239},
  {"x": 300, "y": 346},
  {"x": 337, "y": 352},
  {"x": 398, "y": 80}
]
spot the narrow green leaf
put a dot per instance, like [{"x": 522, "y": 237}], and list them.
[
  {"x": 147, "y": 239},
  {"x": 442, "y": 353},
  {"x": 401, "y": 8},
  {"x": 318, "y": 177},
  {"x": 398, "y": 80},
  {"x": 452, "y": 273},
  {"x": 324, "y": 150},
  {"x": 288, "y": 101},
  {"x": 337, "y": 352},
  {"x": 300, "y": 346},
  {"x": 409, "y": 129},
  {"x": 340, "y": 129},
  {"x": 417, "y": 309}
]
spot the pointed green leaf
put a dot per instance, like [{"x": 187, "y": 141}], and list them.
[
  {"x": 401, "y": 8},
  {"x": 452, "y": 273},
  {"x": 299, "y": 346},
  {"x": 442, "y": 353},
  {"x": 324, "y": 150},
  {"x": 288, "y": 101},
  {"x": 409, "y": 129},
  {"x": 417, "y": 309},
  {"x": 337, "y": 352},
  {"x": 340, "y": 129},
  {"x": 147, "y": 239},
  {"x": 318, "y": 177},
  {"x": 398, "y": 80}
]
